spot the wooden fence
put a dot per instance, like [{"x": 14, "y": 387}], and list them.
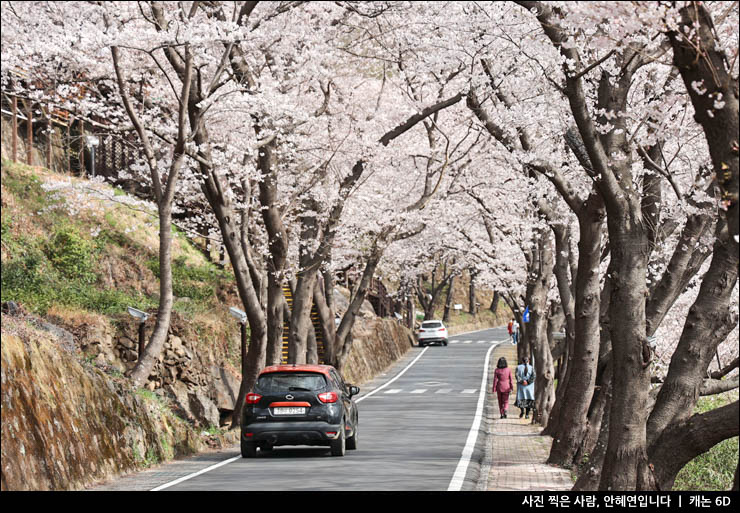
[{"x": 65, "y": 142}]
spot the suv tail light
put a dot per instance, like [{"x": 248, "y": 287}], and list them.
[
  {"x": 252, "y": 398},
  {"x": 328, "y": 397}
]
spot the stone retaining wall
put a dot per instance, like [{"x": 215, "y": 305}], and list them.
[{"x": 65, "y": 423}]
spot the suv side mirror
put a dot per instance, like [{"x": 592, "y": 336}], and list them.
[{"x": 353, "y": 390}]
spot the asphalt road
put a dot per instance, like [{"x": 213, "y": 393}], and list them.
[{"x": 420, "y": 430}]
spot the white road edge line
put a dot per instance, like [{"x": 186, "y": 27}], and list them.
[
  {"x": 226, "y": 462},
  {"x": 190, "y": 476},
  {"x": 462, "y": 466}
]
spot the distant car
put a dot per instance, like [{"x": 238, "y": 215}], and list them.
[
  {"x": 299, "y": 405},
  {"x": 431, "y": 332}
]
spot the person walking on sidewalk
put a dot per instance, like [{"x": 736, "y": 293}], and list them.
[
  {"x": 524, "y": 387},
  {"x": 511, "y": 333},
  {"x": 502, "y": 385},
  {"x": 515, "y": 331}
]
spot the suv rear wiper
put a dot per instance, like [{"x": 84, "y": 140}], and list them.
[{"x": 299, "y": 389}]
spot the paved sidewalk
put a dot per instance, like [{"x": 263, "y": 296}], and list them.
[{"x": 517, "y": 452}]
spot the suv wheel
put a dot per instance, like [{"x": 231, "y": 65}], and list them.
[
  {"x": 338, "y": 446},
  {"x": 352, "y": 440},
  {"x": 249, "y": 449}
]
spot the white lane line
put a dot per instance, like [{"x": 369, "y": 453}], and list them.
[
  {"x": 419, "y": 391},
  {"x": 394, "y": 391},
  {"x": 190, "y": 476},
  {"x": 462, "y": 466},
  {"x": 469, "y": 391},
  {"x": 444, "y": 390},
  {"x": 394, "y": 379}
]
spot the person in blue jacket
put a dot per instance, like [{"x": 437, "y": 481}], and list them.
[{"x": 524, "y": 387}]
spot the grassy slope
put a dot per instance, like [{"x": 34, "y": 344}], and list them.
[{"x": 78, "y": 250}]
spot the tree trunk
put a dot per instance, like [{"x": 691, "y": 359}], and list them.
[
  {"x": 275, "y": 319},
  {"x": 221, "y": 207},
  {"x": 448, "y": 301},
  {"x": 537, "y": 290},
  {"x": 164, "y": 199},
  {"x": 300, "y": 321},
  {"x": 149, "y": 359},
  {"x": 592, "y": 461},
  {"x": 471, "y": 295},
  {"x": 326, "y": 315},
  {"x": 601, "y": 400},
  {"x": 278, "y": 250},
  {"x": 495, "y": 301},
  {"x": 312, "y": 347},
  {"x": 582, "y": 366},
  {"x": 344, "y": 332},
  {"x": 626, "y": 465},
  {"x": 562, "y": 235},
  {"x": 429, "y": 304}
]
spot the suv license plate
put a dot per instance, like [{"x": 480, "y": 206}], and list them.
[{"x": 289, "y": 411}]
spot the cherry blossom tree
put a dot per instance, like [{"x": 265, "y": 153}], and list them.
[
  {"x": 584, "y": 153},
  {"x": 605, "y": 139}
]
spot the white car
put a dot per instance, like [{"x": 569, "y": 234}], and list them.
[{"x": 432, "y": 331}]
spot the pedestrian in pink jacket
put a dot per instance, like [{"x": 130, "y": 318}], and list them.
[{"x": 502, "y": 385}]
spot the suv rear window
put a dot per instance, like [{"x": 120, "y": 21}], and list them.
[
  {"x": 283, "y": 382},
  {"x": 431, "y": 325}
]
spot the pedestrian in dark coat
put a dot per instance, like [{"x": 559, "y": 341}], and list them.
[{"x": 502, "y": 385}]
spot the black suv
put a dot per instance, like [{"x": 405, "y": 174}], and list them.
[{"x": 299, "y": 405}]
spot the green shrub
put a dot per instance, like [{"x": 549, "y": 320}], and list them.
[
  {"x": 72, "y": 255},
  {"x": 198, "y": 283},
  {"x": 25, "y": 272},
  {"x": 6, "y": 221}
]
